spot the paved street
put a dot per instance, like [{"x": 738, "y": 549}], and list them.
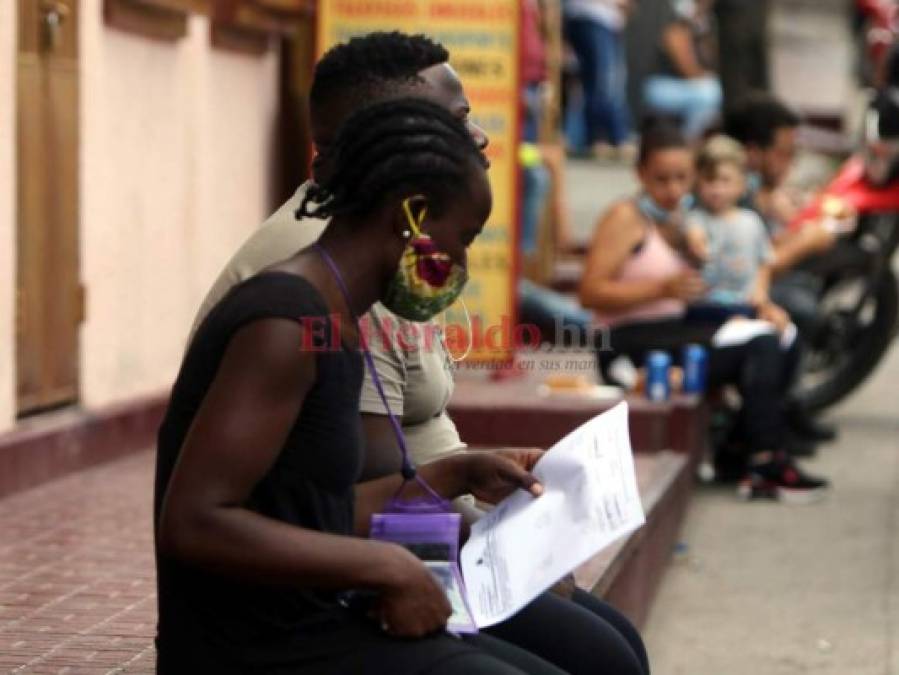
[
  {"x": 77, "y": 584},
  {"x": 778, "y": 590}
]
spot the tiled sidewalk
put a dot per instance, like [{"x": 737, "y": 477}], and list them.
[{"x": 77, "y": 589}]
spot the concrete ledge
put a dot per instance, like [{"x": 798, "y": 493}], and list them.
[
  {"x": 53, "y": 445},
  {"x": 514, "y": 414}
]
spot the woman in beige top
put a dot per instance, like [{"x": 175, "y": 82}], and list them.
[{"x": 416, "y": 373}]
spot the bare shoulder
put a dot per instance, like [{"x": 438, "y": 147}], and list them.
[
  {"x": 623, "y": 209},
  {"x": 622, "y": 220}
]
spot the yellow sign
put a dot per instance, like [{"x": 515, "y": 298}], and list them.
[{"x": 483, "y": 40}]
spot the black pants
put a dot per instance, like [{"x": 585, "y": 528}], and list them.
[
  {"x": 583, "y": 635},
  {"x": 551, "y": 636},
  {"x": 763, "y": 373},
  {"x": 367, "y": 650},
  {"x": 356, "y": 646},
  {"x": 742, "y": 48},
  {"x": 761, "y": 370},
  {"x": 799, "y": 294}
]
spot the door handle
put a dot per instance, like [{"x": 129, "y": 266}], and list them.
[{"x": 54, "y": 13}]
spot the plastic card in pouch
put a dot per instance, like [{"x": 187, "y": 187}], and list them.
[
  {"x": 433, "y": 538},
  {"x": 450, "y": 578}
]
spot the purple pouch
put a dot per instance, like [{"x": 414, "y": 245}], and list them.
[{"x": 430, "y": 530}]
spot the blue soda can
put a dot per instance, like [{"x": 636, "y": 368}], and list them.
[
  {"x": 658, "y": 386},
  {"x": 696, "y": 365}
]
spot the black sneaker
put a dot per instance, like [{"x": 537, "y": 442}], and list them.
[{"x": 781, "y": 479}]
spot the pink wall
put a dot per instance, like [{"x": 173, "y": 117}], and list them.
[
  {"x": 175, "y": 173},
  {"x": 176, "y": 164},
  {"x": 7, "y": 210}
]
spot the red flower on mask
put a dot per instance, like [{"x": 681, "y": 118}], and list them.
[{"x": 432, "y": 266}]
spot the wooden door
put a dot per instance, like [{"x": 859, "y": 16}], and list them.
[{"x": 49, "y": 305}]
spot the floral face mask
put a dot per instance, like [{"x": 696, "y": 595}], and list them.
[{"x": 427, "y": 280}]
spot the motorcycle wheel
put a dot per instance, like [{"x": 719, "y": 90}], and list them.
[{"x": 832, "y": 370}]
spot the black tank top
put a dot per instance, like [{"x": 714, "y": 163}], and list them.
[{"x": 206, "y": 620}]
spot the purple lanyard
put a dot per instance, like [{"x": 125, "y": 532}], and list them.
[{"x": 409, "y": 472}]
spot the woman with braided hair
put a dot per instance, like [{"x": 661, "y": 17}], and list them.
[
  {"x": 259, "y": 523},
  {"x": 591, "y": 637}
]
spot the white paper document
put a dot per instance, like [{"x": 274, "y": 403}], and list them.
[
  {"x": 526, "y": 544},
  {"x": 740, "y": 331}
]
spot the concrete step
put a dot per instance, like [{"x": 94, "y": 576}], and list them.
[
  {"x": 515, "y": 413},
  {"x": 628, "y": 573},
  {"x": 52, "y": 445}
]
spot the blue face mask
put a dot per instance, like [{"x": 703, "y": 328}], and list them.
[{"x": 649, "y": 208}]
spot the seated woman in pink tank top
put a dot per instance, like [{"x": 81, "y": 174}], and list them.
[
  {"x": 652, "y": 262},
  {"x": 638, "y": 284}
]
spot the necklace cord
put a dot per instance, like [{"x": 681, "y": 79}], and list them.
[{"x": 409, "y": 472}]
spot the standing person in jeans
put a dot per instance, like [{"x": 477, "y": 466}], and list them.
[
  {"x": 595, "y": 31},
  {"x": 416, "y": 370},
  {"x": 682, "y": 82},
  {"x": 536, "y": 181},
  {"x": 742, "y": 48},
  {"x": 639, "y": 286},
  {"x": 541, "y": 180}
]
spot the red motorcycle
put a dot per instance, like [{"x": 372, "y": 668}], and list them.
[{"x": 858, "y": 302}]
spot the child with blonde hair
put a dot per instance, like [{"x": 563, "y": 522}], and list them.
[{"x": 730, "y": 242}]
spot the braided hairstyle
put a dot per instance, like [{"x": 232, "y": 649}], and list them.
[
  {"x": 405, "y": 144},
  {"x": 357, "y": 71}
]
